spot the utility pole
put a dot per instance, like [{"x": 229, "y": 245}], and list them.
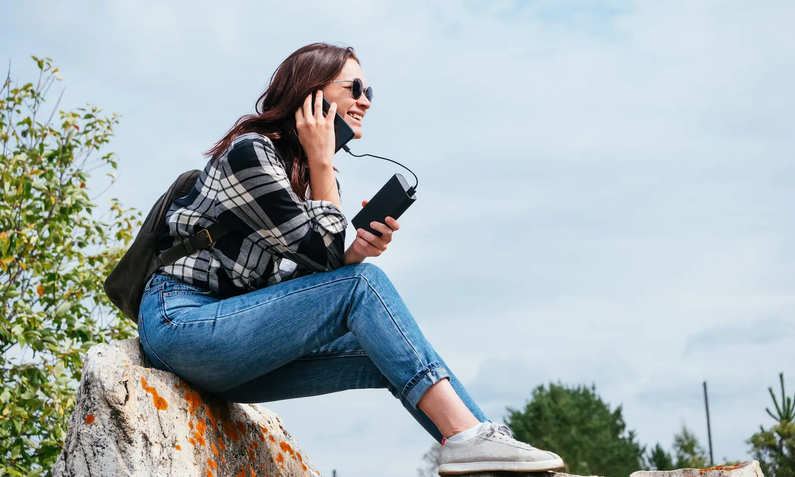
[
  {"x": 709, "y": 429},
  {"x": 334, "y": 473}
]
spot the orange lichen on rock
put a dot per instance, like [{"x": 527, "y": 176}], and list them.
[
  {"x": 252, "y": 471},
  {"x": 230, "y": 431},
  {"x": 298, "y": 455},
  {"x": 286, "y": 447},
  {"x": 241, "y": 427},
  {"x": 199, "y": 432},
  {"x": 209, "y": 472},
  {"x": 190, "y": 424},
  {"x": 215, "y": 449},
  {"x": 194, "y": 401},
  {"x": 242, "y": 472},
  {"x": 90, "y": 419},
  {"x": 160, "y": 403},
  {"x": 177, "y": 447},
  {"x": 280, "y": 457},
  {"x": 221, "y": 444},
  {"x": 724, "y": 467},
  {"x": 192, "y": 442},
  {"x": 303, "y": 466},
  {"x": 271, "y": 437},
  {"x": 212, "y": 464},
  {"x": 211, "y": 418}
]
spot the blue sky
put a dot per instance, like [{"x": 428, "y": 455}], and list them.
[{"x": 603, "y": 198}]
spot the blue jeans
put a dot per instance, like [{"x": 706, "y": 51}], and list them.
[{"x": 316, "y": 334}]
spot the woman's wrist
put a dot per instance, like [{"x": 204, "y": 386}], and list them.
[{"x": 352, "y": 257}]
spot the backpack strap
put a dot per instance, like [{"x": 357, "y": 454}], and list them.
[{"x": 203, "y": 239}]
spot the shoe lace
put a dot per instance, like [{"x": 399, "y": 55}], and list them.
[{"x": 501, "y": 428}]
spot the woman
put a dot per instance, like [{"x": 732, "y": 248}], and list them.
[{"x": 277, "y": 309}]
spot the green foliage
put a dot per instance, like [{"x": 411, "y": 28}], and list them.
[
  {"x": 576, "y": 424},
  {"x": 774, "y": 448},
  {"x": 659, "y": 459},
  {"x": 54, "y": 255},
  {"x": 689, "y": 453}
]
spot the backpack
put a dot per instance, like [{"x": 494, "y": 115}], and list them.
[{"x": 125, "y": 284}]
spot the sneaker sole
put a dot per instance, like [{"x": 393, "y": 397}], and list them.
[{"x": 468, "y": 467}]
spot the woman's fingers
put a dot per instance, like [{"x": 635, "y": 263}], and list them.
[
  {"x": 392, "y": 223},
  {"x": 385, "y": 231},
  {"x": 332, "y": 111},
  {"x": 308, "y": 108},
  {"x": 299, "y": 118},
  {"x": 377, "y": 242},
  {"x": 319, "y": 105},
  {"x": 366, "y": 248}
]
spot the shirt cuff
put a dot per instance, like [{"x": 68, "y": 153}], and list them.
[{"x": 327, "y": 215}]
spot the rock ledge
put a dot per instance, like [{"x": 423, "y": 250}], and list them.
[{"x": 133, "y": 420}]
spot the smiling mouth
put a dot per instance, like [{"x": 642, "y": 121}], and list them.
[{"x": 355, "y": 117}]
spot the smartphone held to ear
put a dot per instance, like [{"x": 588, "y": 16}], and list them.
[{"x": 342, "y": 132}]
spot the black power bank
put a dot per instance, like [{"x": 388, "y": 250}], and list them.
[{"x": 390, "y": 201}]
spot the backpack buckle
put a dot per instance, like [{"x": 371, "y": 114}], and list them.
[{"x": 209, "y": 238}]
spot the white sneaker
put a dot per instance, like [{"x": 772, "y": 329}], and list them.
[{"x": 494, "y": 449}]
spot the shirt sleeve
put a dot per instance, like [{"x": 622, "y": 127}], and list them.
[{"x": 254, "y": 195}]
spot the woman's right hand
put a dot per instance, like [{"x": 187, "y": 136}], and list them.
[{"x": 316, "y": 132}]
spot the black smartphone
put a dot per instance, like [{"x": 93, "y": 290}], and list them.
[{"x": 342, "y": 131}]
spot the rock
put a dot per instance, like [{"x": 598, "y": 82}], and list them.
[
  {"x": 743, "y": 469},
  {"x": 133, "y": 420},
  {"x": 519, "y": 474}
]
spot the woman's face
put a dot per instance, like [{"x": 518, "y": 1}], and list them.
[{"x": 352, "y": 110}]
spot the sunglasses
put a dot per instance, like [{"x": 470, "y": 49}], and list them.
[{"x": 357, "y": 88}]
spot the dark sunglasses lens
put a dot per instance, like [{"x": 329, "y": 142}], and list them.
[
  {"x": 368, "y": 93},
  {"x": 356, "y": 88}
]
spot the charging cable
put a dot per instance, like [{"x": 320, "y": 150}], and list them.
[{"x": 411, "y": 190}]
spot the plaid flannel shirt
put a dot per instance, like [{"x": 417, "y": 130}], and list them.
[{"x": 275, "y": 235}]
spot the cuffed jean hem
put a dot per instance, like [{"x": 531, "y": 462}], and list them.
[{"x": 424, "y": 379}]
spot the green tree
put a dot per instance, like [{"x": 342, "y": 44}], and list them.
[
  {"x": 688, "y": 452},
  {"x": 659, "y": 459},
  {"x": 575, "y": 423},
  {"x": 54, "y": 255},
  {"x": 774, "y": 448}
]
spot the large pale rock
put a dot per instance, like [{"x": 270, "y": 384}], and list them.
[
  {"x": 133, "y": 420},
  {"x": 519, "y": 474},
  {"x": 743, "y": 469}
]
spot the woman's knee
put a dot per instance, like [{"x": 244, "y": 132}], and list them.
[{"x": 370, "y": 272}]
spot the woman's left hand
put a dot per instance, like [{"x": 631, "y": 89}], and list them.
[{"x": 369, "y": 245}]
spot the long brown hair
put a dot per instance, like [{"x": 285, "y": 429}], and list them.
[{"x": 308, "y": 69}]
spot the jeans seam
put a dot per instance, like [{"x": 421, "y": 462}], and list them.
[
  {"x": 166, "y": 320},
  {"x": 397, "y": 325},
  {"x": 143, "y": 334},
  {"x": 283, "y": 296},
  {"x": 347, "y": 354}
]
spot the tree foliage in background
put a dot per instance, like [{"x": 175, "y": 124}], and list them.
[
  {"x": 431, "y": 461},
  {"x": 687, "y": 453},
  {"x": 575, "y": 423},
  {"x": 774, "y": 448},
  {"x": 54, "y": 256}
]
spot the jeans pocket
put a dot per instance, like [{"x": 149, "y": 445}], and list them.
[{"x": 183, "y": 304}]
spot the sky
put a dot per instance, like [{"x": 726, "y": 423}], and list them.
[{"x": 602, "y": 199}]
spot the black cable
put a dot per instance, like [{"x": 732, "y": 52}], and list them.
[{"x": 410, "y": 192}]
